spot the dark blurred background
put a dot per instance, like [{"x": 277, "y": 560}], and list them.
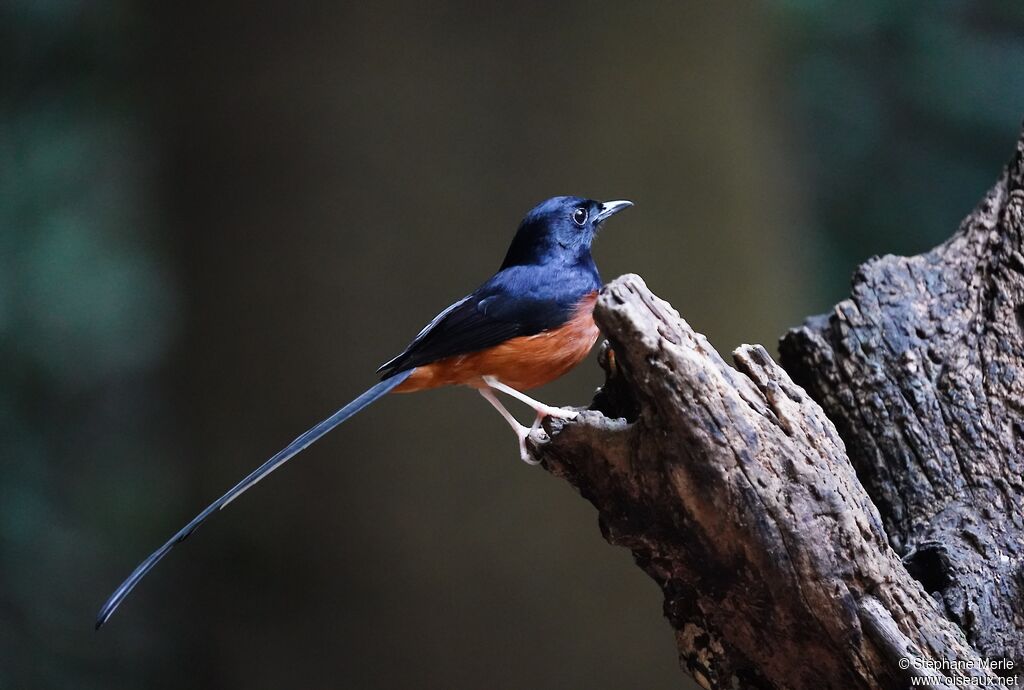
[{"x": 216, "y": 220}]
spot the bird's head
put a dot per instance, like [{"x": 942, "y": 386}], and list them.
[{"x": 560, "y": 229}]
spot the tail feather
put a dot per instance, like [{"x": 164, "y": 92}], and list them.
[{"x": 288, "y": 452}]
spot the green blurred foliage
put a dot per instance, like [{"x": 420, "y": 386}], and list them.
[
  {"x": 217, "y": 218},
  {"x": 87, "y": 314},
  {"x": 905, "y": 113}
]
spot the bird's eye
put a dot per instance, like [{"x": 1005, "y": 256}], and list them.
[{"x": 579, "y": 216}]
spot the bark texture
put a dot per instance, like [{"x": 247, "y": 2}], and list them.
[
  {"x": 922, "y": 371},
  {"x": 785, "y": 561}
]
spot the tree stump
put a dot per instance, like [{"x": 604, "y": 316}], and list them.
[{"x": 854, "y": 526}]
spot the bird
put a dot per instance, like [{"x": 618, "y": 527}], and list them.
[{"x": 527, "y": 325}]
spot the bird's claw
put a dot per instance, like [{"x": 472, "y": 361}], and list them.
[
  {"x": 541, "y": 410},
  {"x": 524, "y": 454},
  {"x": 526, "y": 457}
]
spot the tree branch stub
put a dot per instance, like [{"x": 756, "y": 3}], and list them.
[{"x": 734, "y": 492}]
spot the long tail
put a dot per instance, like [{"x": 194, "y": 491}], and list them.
[{"x": 290, "y": 451}]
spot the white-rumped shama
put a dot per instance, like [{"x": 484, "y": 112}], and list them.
[{"x": 529, "y": 324}]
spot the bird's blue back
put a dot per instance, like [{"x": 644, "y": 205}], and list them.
[{"x": 548, "y": 270}]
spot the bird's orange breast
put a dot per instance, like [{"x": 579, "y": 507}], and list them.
[{"x": 523, "y": 363}]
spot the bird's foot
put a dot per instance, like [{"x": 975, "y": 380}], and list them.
[
  {"x": 524, "y": 454},
  {"x": 521, "y": 432}
]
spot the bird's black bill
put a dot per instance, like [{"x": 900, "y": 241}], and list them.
[
  {"x": 610, "y": 208},
  {"x": 289, "y": 451}
]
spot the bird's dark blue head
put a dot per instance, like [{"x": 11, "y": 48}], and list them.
[{"x": 560, "y": 230}]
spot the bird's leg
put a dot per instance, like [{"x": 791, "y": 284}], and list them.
[
  {"x": 540, "y": 408},
  {"x": 521, "y": 431}
]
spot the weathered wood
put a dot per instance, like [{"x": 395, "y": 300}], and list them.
[
  {"x": 785, "y": 562},
  {"x": 734, "y": 492},
  {"x": 922, "y": 371}
]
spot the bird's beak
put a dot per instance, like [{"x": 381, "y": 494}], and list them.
[{"x": 610, "y": 208}]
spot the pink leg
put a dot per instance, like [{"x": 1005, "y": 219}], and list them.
[
  {"x": 521, "y": 431},
  {"x": 540, "y": 408}
]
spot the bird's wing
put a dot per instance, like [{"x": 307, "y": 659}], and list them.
[{"x": 488, "y": 317}]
